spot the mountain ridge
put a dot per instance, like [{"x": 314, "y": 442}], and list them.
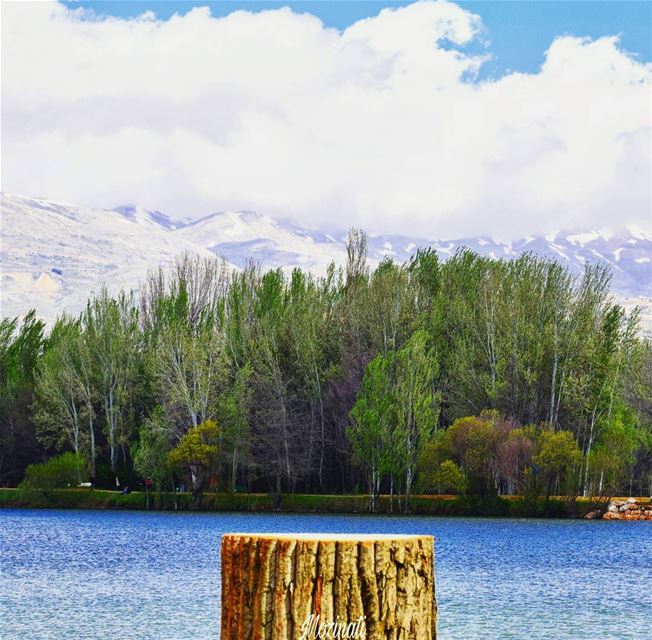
[{"x": 55, "y": 255}]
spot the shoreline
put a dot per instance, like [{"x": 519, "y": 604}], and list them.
[{"x": 426, "y": 505}]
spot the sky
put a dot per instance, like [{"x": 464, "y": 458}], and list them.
[
  {"x": 519, "y": 32},
  {"x": 430, "y": 118}
]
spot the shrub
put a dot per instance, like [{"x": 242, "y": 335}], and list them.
[
  {"x": 449, "y": 478},
  {"x": 67, "y": 469}
]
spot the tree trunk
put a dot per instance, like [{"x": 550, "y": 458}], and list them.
[
  {"x": 298, "y": 586},
  {"x": 234, "y": 468},
  {"x": 92, "y": 431}
]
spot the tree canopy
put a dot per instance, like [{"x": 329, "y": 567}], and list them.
[{"x": 470, "y": 374}]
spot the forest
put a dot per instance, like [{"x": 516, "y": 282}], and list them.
[{"x": 465, "y": 376}]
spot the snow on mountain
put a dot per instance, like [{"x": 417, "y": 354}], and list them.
[
  {"x": 145, "y": 216},
  {"x": 627, "y": 252},
  {"x": 55, "y": 255},
  {"x": 245, "y": 235}
]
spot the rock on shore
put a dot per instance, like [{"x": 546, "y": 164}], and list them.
[{"x": 628, "y": 509}]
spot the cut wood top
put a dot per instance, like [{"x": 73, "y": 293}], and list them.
[{"x": 330, "y": 537}]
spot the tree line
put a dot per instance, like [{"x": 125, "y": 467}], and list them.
[{"x": 465, "y": 375}]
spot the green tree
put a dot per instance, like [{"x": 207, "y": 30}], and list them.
[
  {"x": 449, "y": 478},
  {"x": 613, "y": 455},
  {"x": 370, "y": 433},
  {"x": 185, "y": 357},
  {"x": 234, "y": 407},
  {"x": 472, "y": 442},
  {"x": 59, "y": 404},
  {"x": 197, "y": 453},
  {"x": 110, "y": 328},
  {"x": 416, "y": 403},
  {"x": 21, "y": 347},
  {"x": 150, "y": 452},
  {"x": 557, "y": 454}
]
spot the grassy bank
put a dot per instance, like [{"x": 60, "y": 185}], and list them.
[{"x": 513, "y": 506}]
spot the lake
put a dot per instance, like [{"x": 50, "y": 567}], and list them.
[{"x": 125, "y": 575}]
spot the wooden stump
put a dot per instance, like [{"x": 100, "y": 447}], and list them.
[{"x": 304, "y": 586}]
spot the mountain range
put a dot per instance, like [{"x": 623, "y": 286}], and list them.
[{"x": 54, "y": 255}]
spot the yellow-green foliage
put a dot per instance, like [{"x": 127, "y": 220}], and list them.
[
  {"x": 449, "y": 478},
  {"x": 486, "y": 454},
  {"x": 557, "y": 451},
  {"x": 197, "y": 452},
  {"x": 472, "y": 441},
  {"x": 197, "y": 447}
]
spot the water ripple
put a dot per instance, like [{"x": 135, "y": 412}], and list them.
[{"x": 141, "y": 576}]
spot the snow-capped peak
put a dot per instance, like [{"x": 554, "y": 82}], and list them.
[
  {"x": 590, "y": 236},
  {"x": 639, "y": 233}
]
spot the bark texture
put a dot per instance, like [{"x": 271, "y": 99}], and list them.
[{"x": 272, "y": 585}]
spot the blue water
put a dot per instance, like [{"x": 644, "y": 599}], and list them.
[{"x": 120, "y": 576}]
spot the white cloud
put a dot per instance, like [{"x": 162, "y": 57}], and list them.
[{"x": 378, "y": 125}]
